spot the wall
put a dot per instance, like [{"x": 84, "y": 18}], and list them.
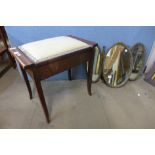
[{"x": 103, "y": 35}]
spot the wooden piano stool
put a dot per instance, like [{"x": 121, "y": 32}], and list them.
[{"x": 44, "y": 69}]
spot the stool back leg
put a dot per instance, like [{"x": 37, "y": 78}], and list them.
[
  {"x": 90, "y": 71},
  {"x": 69, "y": 75},
  {"x": 26, "y": 81}
]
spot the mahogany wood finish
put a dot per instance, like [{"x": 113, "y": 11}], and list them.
[
  {"x": 43, "y": 70},
  {"x": 26, "y": 81},
  {"x": 69, "y": 75},
  {"x": 4, "y": 50}
]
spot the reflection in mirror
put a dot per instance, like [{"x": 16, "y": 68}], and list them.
[
  {"x": 153, "y": 77},
  {"x": 117, "y": 65},
  {"x": 150, "y": 76},
  {"x": 97, "y": 66},
  {"x": 138, "y": 53}
]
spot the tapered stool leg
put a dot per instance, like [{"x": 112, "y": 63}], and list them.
[
  {"x": 89, "y": 73},
  {"x": 27, "y": 82},
  {"x": 42, "y": 98},
  {"x": 69, "y": 75}
]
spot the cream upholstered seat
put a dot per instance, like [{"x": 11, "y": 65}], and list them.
[{"x": 50, "y": 48}]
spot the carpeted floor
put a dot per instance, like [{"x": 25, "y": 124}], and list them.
[{"x": 132, "y": 106}]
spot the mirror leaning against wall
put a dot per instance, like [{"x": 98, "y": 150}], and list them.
[
  {"x": 117, "y": 66},
  {"x": 138, "y": 52},
  {"x": 97, "y": 65}
]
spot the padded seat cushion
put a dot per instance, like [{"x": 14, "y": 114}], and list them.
[{"x": 50, "y": 48}]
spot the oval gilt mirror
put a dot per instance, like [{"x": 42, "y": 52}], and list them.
[
  {"x": 97, "y": 65},
  {"x": 138, "y": 53},
  {"x": 117, "y": 67}
]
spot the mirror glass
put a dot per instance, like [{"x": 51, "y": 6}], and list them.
[
  {"x": 150, "y": 76},
  {"x": 138, "y": 53},
  {"x": 97, "y": 66},
  {"x": 153, "y": 77},
  {"x": 117, "y": 65}
]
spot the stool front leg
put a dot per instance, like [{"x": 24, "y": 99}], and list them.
[{"x": 42, "y": 98}]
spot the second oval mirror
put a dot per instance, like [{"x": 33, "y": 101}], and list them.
[
  {"x": 118, "y": 65},
  {"x": 138, "y": 53}
]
